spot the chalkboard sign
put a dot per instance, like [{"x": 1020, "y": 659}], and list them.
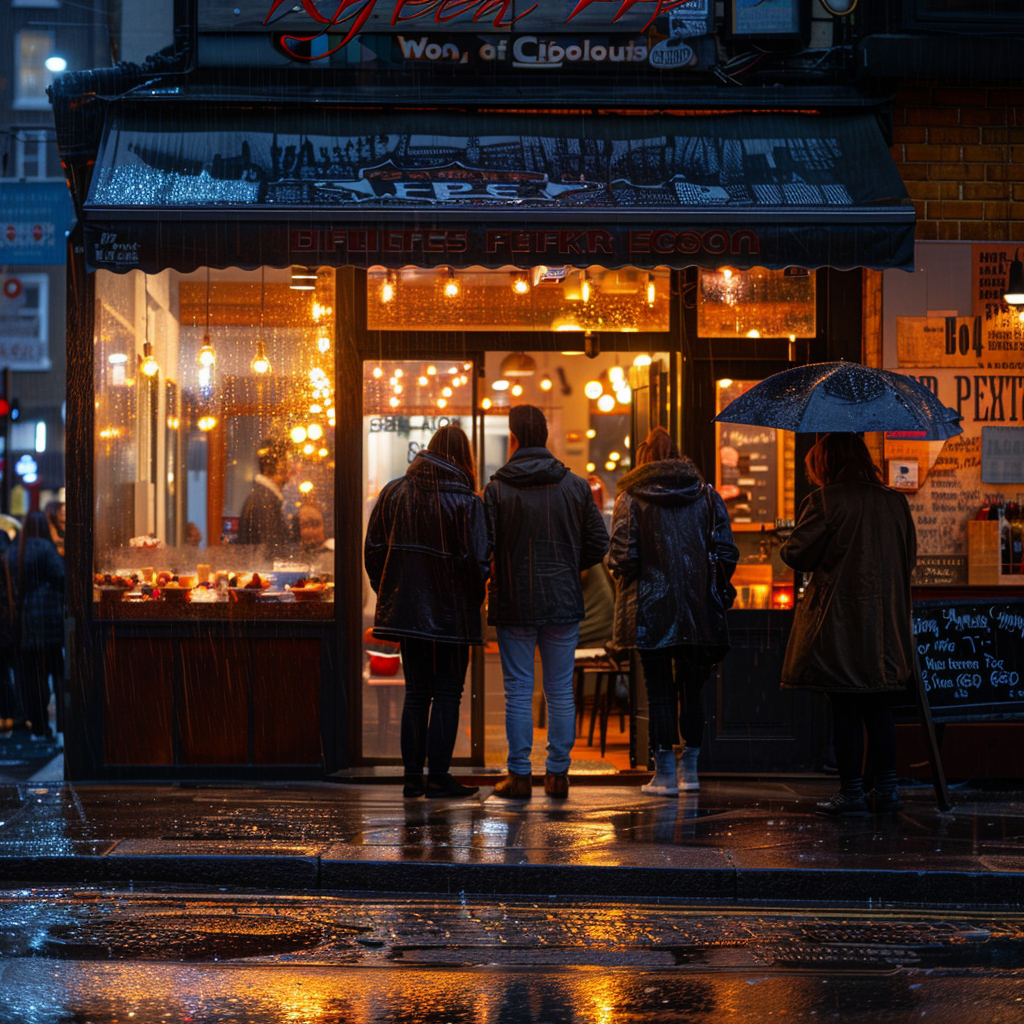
[{"x": 972, "y": 658}]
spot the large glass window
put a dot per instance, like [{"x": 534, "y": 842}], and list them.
[
  {"x": 31, "y": 48},
  {"x": 215, "y": 440},
  {"x": 756, "y": 303}
]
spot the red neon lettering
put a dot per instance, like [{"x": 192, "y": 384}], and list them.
[
  {"x": 599, "y": 241},
  {"x": 662, "y": 241},
  {"x": 663, "y": 7},
  {"x": 639, "y": 241},
  {"x": 716, "y": 241},
  {"x": 303, "y": 241},
  {"x": 497, "y": 240},
  {"x": 359, "y": 21},
  {"x": 751, "y": 238},
  {"x": 688, "y": 242}
]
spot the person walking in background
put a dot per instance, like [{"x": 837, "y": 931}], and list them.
[
  {"x": 39, "y": 623},
  {"x": 673, "y": 555},
  {"x": 853, "y": 631},
  {"x": 55, "y": 516},
  {"x": 426, "y": 555},
  {"x": 544, "y": 529},
  {"x": 263, "y": 522}
]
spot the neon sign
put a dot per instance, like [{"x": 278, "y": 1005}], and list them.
[{"x": 502, "y": 14}]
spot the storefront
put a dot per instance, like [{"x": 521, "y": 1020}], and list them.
[{"x": 339, "y": 282}]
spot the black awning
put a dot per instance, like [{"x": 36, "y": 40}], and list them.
[{"x": 225, "y": 187}]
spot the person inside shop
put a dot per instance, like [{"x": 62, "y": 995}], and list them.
[
  {"x": 426, "y": 556},
  {"x": 39, "y": 620},
  {"x": 314, "y": 544},
  {"x": 673, "y": 556},
  {"x": 55, "y": 516},
  {"x": 852, "y": 633},
  {"x": 544, "y": 530},
  {"x": 263, "y": 522}
]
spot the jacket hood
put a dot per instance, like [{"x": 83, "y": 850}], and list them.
[
  {"x": 532, "y": 467},
  {"x": 433, "y": 473},
  {"x": 667, "y": 482}
]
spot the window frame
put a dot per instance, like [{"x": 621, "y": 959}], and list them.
[
  {"x": 24, "y": 139},
  {"x": 21, "y": 100}
]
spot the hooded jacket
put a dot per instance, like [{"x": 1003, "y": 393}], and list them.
[
  {"x": 426, "y": 554},
  {"x": 853, "y": 631},
  {"x": 673, "y": 554},
  {"x": 544, "y": 529}
]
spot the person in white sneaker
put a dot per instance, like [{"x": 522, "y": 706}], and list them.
[{"x": 673, "y": 555}]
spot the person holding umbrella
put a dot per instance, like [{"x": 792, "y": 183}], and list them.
[{"x": 852, "y": 634}]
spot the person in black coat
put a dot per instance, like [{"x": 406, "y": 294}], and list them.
[
  {"x": 426, "y": 556},
  {"x": 673, "y": 555},
  {"x": 263, "y": 522},
  {"x": 8, "y": 704},
  {"x": 544, "y": 530},
  {"x": 39, "y": 626}
]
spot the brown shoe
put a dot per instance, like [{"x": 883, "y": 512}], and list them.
[
  {"x": 556, "y": 785},
  {"x": 514, "y": 787}
]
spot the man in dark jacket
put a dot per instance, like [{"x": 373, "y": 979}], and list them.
[
  {"x": 544, "y": 529},
  {"x": 263, "y": 521}
]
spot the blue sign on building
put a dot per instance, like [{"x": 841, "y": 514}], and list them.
[{"x": 34, "y": 218}]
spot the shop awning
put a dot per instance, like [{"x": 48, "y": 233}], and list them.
[{"x": 281, "y": 186}]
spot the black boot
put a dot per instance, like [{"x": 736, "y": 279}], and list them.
[
  {"x": 413, "y": 785},
  {"x": 446, "y": 786},
  {"x": 886, "y": 797},
  {"x": 849, "y": 802}
]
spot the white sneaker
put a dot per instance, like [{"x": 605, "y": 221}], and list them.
[{"x": 659, "y": 786}]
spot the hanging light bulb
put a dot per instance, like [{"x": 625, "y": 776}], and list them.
[
  {"x": 447, "y": 392},
  {"x": 298, "y": 434},
  {"x": 442, "y": 403},
  {"x": 517, "y": 390},
  {"x": 150, "y": 367},
  {"x": 422, "y": 381},
  {"x": 314, "y": 431},
  {"x": 378, "y": 373},
  {"x": 451, "y": 285},
  {"x": 306, "y": 487},
  {"x": 520, "y": 284},
  {"x": 546, "y": 383},
  {"x": 1014, "y": 294},
  {"x": 606, "y": 403},
  {"x": 388, "y": 288},
  {"x": 394, "y": 402},
  {"x": 652, "y": 293},
  {"x": 207, "y": 356},
  {"x": 486, "y": 404},
  {"x": 593, "y": 389},
  {"x": 260, "y": 362},
  {"x": 431, "y": 370},
  {"x": 584, "y": 286}
]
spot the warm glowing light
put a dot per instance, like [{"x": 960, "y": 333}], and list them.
[
  {"x": 614, "y": 456},
  {"x": 422, "y": 381},
  {"x": 306, "y": 486},
  {"x": 727, "y": 273},
  {"x": 463, "y": 379},
  {"x": 652, "y": 293},
  {"x": 616, "y": 375},
  {"x": 387, "y": 291},
  {"x": 323, "y": 344},
  {"x": 399, "y": 373},
  {"x": 377, "y": 372},
  {"x": 606, "y": 403},
  {"x": 394, "y": 402},
  {"x": 447, "y": 392},
  {"x": 308, "y": 449},
  {"x": 315, "y": 409},
  {"x": 207, "y": 423},
  {"x": 642, "y": 360},
  {"x": 314, "y": 431},
  {"x": 585, "y": 289},
  {"x": 500, "y": 385},
  {"x": 591, "y": 467},
  {"x": 318, "y": 310},
  {"x": 625, "y": 440},
  {"x": 451, "y": 286},
  {"x": 150, "y": 367},
  {"x": 393, "y": 381},
  {"x": 517, "y": 389},
  {"x": 591, "y": 434},
  {"x": 520, "y": 284},
  {"x": 207, "y": 356},
  {"x": 298, "y": 434},
  {"x": 792, "y": 337},
  {"x": 331, "y": 413},
  {"x": 610, "y": 466},
  {"x": 431, "y": 370},
  {"x": 753, "y": 333},
  {"x": 442, "y": 403},
  {"x": 624, "y": 395},
  {"x": 725, "y": 382},
  {"x": 452, "y": 370},
  {"x": 546, "y": 383},
  {"x": 323, "y": 453},
  {"x": 486, "y": 403},
  {"x": 467, "y": 366},
  {"x": 398, "y": 389},
  {"x": 117, "y": 359},
  {"x": 593, "y": 389},
  {"x": 260, "y": 362}
]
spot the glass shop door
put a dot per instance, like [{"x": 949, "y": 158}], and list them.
[{"x": 404, "y": 402}]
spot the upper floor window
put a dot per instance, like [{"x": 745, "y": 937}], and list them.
[
  {"x": 31, "y": 49},
  {"x": 30, "y": 154}
]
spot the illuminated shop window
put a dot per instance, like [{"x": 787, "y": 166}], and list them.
[{"x": 756, "y": 303}]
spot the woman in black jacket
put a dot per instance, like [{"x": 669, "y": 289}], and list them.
[
  {"x": 39, "y": 599},
  {"x": 427, "y": 559},
  {"x": 673, "y": 554}
]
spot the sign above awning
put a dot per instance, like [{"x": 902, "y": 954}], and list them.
[{"x": 335, "y": 187}]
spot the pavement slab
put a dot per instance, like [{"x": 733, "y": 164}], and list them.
[{"x": 735, "y": 840}]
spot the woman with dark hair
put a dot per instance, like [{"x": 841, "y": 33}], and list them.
[
  {"x": 39, "y": 622},
  {"x": 673, "y": 554},
  {"x": 427, "y": 559},
  {"x": 853, "y": 633}
]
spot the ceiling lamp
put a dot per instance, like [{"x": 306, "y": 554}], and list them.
[
  {"x": 207, "y": 356},
  {"x": 303, "y": 279},
  {"x": 451, "y": 285},
  {"x": 520, "y": 284},
  {"x": 1014, "y": 295},
  {"x": 518, "y": 364}
]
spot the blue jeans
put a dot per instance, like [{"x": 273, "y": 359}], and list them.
[{"x": 557, "y": 646}]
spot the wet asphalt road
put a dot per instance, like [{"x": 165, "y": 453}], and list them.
[{"x": 98, "y": 957}]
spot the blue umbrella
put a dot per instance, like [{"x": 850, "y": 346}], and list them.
[{"x": 824, "y": 398}]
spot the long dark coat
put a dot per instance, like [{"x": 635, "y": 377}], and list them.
[
  {"x": 672, "y": 553},
  {"x": 426, "y": 555},
  {"x": 263, "y": 521},
  {"x": 39, "y": 594},
  {"x": 853, "y": 631},
  {"x": 544, "y": 529}
]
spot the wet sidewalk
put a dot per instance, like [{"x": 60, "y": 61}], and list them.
[{"x": 735, "y": 841}]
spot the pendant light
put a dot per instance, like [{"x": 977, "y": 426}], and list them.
[
  {"x": 149, "y": 366},
  {"x": 207, "y": 357},
  {"x": 1014, "y": 295},
  {"x": 260, "y": 362}
]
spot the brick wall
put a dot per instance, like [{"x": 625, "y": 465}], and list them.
[{"x": 961, "y": 155}]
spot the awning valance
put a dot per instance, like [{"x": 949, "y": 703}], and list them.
[{"x": 224, "y": 187}]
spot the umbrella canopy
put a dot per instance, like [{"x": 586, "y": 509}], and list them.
[{"x": 825, "y": 398}]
